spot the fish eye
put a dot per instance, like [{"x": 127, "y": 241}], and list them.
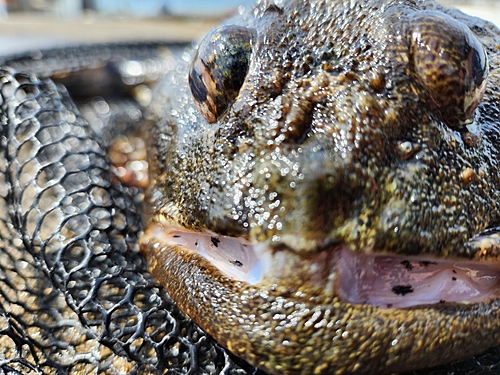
[
  {"x": 219, "y": 68},
  {"x": 451, "y": 63}
]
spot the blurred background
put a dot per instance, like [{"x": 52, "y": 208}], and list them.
[
  {"x": 137, "y": 8},
  {"x": 32, "y": 24}
]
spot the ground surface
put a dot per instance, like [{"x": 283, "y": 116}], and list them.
[{"x": 21, "y": 32}]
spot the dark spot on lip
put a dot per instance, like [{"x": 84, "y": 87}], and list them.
[
  {"x": 442, "y": 301},
  {"x": 237, "y": 263},
  {"x": 215, "y": 241},
  {"x": 407, "y": 265},
  {"x": 454, "y": 278},
  {"x": 196, "y": 243},
  {"x": 454, "y": 271},
  {"x": 426, "y": 263},
  {"x": 402, "y": 289},
  {"x": 389, "y": 305},
  {"x": 176, "y": 236}
]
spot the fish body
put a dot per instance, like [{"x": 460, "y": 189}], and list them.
[
  {"x": 322, "y": 200},
  {"x": 324, "y": 186}
]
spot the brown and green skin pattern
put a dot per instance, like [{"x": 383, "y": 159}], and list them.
[{"x": 314, "y": 152}]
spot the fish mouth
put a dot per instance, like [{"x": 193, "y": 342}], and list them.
[{"x": 375, "y": 279}]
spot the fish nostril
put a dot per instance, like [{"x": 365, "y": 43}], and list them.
[{"x": 297, "y": 120}]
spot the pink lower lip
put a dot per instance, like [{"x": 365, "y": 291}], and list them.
[
  {"x": 398, "y": 281},
  {"x": 378, "y": 280}
]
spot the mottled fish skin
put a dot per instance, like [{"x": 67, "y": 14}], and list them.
[{"x": 338, "y": 135}]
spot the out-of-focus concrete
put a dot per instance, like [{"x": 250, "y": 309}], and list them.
[
  {"x": 21, "y": 32},
  {"x": 489, "y": 10}
]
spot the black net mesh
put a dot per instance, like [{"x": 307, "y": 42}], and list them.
[
  {"x": 74, "y": 294},
  {"x": 75, "y": 297}
]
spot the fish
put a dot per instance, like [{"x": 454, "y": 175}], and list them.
[
  {"x": 321, "y": 199},
  {"x": 324, "y": 190}
]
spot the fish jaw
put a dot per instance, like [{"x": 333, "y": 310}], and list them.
[{"x": 340, "y": 322}]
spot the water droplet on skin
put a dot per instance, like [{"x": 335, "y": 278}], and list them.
[
  {"x": 468, "y": 175},
  {"x": 405, "y": 149}
]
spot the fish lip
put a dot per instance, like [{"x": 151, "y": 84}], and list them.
[
  {"x": 255, "y": 322},
  {"x": 384, "y": 281},
  {"x": 397, "y": 281}
]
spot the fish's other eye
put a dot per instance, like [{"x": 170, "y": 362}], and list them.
[
  {"x": 451, "y": 63},
  {"x": 219, "y": 68}
]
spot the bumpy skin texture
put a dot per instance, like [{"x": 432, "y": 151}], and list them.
[
  {"x": 334, "y": 138},
  {"x": 75, "y": 295}
]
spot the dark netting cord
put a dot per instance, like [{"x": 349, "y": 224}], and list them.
[
  {"x": 74, "y": 294},
  {"x": 75, "y": 297}
]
